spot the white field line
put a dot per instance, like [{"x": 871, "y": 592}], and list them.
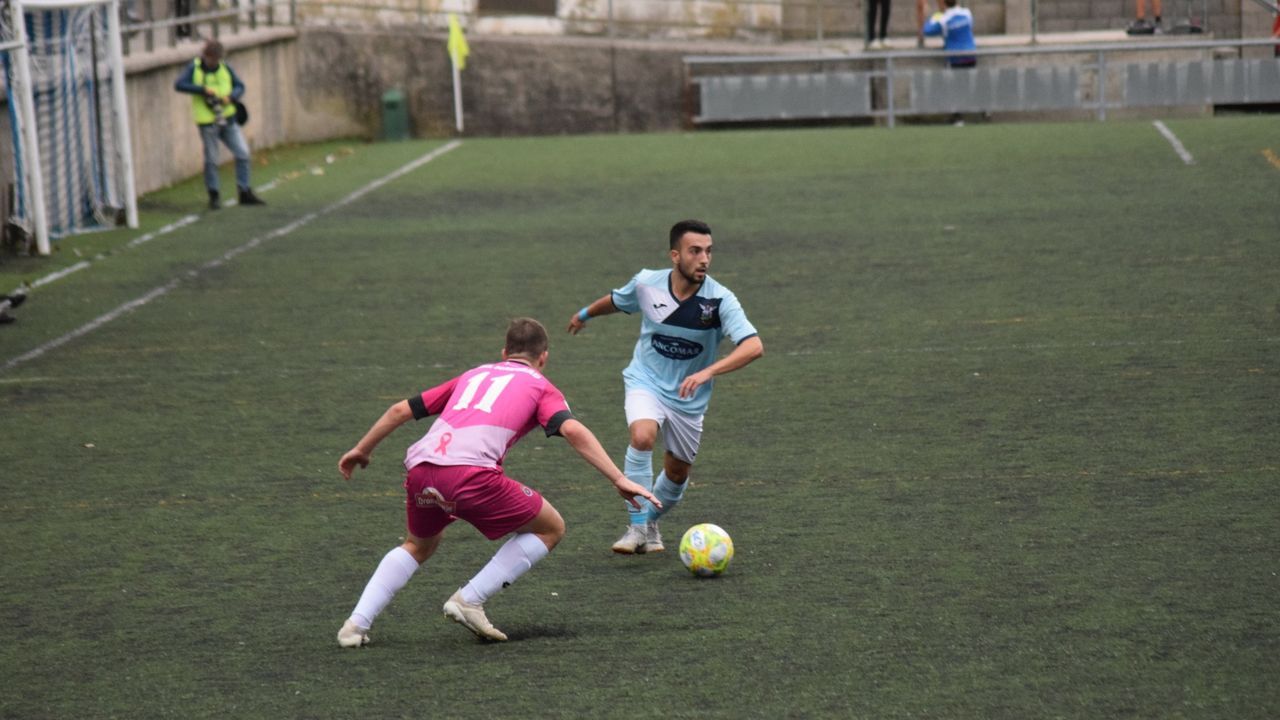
[
  {"x": 1175, "y": 142},
  {"x": 218, "y": 261},
  {"x": 60, "y": 274},
  {"x": 180, "y": 223},
  {"x": 177, "y": 224}
]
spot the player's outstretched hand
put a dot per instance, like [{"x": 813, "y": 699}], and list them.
[
  {"x": 631, "y": 490},
  {"x": 350, "y": 460},
  {"x": 575, "y": 324}
]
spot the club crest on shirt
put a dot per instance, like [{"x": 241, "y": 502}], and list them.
[{"x": 708, "y": 316}]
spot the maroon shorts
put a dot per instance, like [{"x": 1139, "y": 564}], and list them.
[{"x": 436, "y": 495}]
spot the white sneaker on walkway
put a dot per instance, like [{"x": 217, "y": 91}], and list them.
[
  {"x": 471, "y": 617},
  {"x": 652, "y": 538},
  {"x": 632, "y": 541},
  {"x": 352, "y": 635}
]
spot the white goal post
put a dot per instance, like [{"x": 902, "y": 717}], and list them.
[{"x": 66, "y": 84}]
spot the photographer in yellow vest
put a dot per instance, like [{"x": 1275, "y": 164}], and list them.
[{"x": 214, "y": 90}]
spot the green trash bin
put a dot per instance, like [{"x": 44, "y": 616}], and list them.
[{"x": 395, "y": 116}]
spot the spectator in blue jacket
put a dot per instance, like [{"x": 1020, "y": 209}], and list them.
[{"x": 955, "y": 25}]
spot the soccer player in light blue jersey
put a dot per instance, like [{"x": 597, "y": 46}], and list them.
[{"x": 684, "y": 315}]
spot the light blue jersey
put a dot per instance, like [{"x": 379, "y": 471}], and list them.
[{"x": 677, "y": 338}]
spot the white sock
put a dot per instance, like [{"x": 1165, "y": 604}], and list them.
[
  {"x": 512, "y": 560},
  {"x": 393, "y": 572}
]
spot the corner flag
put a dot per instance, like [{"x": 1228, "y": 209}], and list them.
[{"x": 458, "y": 50}]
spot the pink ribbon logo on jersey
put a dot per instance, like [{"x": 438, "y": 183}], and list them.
[{"x": 443, "y": 447}]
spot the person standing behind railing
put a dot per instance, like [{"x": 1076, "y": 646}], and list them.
[
  {"x": 882, "y": 6},
  {"x": 182, "y": 8},
  {"x": 1275, "y": 33},
  {"x": 955, "y": 26},
  {"x": 1140, "y": 25},
  {"x": 921, "y": 5}
]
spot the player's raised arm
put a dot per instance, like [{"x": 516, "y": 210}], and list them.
[
  {"x": 395, "y": 416},
  {"x": 582, "y": 440},
  {"x": 600, "y": 306}
]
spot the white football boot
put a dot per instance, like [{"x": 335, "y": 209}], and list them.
[
  {"x": 352, "y": 635},
  {"x": 471, "y": 617},
  {"x": 652, "y": 538},
  {"x": 632, "y": 541}
]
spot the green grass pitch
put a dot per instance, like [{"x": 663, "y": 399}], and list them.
[{"x": 1011, "y": 452}]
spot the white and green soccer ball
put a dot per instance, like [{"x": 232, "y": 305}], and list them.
[{"x": 706, "y": 550}]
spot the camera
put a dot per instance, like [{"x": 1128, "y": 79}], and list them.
[{"x": 218, "y": 107}]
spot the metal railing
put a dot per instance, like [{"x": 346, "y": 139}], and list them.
[
  {"x": 913, "y": 82},
  {"x": 184, "y": 20},
  {"x": 655, "y": 19}
]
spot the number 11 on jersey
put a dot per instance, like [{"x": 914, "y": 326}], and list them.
[{"x": 496, "y": 386}]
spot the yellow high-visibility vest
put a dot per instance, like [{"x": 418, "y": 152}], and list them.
[{"x": 220, "y": 81}]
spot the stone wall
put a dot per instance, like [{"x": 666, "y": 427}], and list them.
[
  {"x": 318, "y": 83},
  {"x": 768, "y": 21},
  {"x": 511, "y": 86},
  {"x": 1222, "y": 17},
  {"x": 283, "y": 104}
]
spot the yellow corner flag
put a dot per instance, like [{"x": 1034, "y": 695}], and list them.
[{"x": 458, "y": 50}]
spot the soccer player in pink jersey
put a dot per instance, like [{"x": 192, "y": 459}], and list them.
[{"x": 455, "y": 471}]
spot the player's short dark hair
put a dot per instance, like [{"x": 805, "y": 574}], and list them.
[
  {"x": 526, "y": 337},
  {"x": 213, "y": 49},
  {"x": 686, "y": 226}
]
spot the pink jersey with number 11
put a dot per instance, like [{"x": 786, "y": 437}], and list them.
[{"x": 483, "y": 412}]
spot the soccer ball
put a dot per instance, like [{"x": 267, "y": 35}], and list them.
[{"x": 706, "y": 550}]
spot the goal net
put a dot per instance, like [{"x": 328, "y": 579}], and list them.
[{"x": 66, "y": 97}]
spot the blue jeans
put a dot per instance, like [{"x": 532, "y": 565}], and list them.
[{"x": 234, "y": 139}]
